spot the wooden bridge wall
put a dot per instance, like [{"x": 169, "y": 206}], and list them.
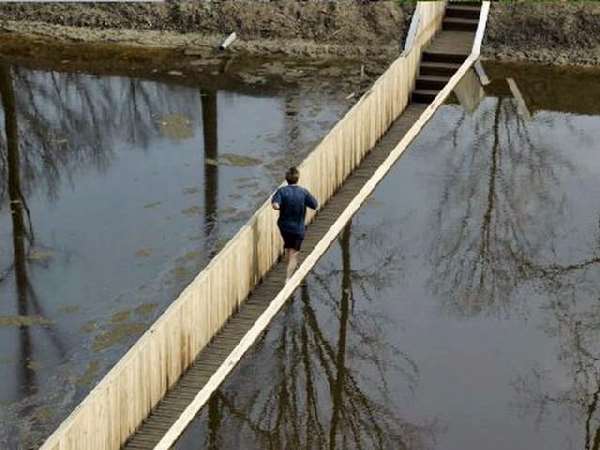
[{"x": 125, "y": 396}]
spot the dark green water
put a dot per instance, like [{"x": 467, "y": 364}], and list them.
[
  {"x": 461, "y": 307},
  {"x": 121, "y": 189}
]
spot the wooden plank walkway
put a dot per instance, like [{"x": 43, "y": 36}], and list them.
[{"x": 179, "y": 397}]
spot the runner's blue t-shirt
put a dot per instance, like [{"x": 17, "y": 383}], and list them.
[{"x": 293, "y": 201}]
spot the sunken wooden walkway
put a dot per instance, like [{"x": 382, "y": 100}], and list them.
[
  {"x": 210, "y": 359},
  {"x": 440, "y": 61}
]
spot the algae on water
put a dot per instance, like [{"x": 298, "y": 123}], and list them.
[
  {"x": 23, "y": 321},
  {"x": 89, "y": 375},
  {"x": 146, "y": 309},
  {"x": 40, "y": 255},
  {"x": 118, "y": 333},
  {"x": 192, "y": 211},
  {"x": 176, "y": 126},
  {"x": 143, "y": 253},
  {"x": 152, "y": 205},
  {"x": 232, "y": 159},
  {"x": 120, "y": 316}
]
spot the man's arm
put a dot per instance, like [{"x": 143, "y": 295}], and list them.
[
  {"x": 310, "y": 201},
  {"x": 276, "y": 200}
]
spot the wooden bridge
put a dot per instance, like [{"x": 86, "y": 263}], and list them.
[{"x": 152, "y": 394}]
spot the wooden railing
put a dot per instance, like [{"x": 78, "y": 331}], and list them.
[
  {"x": 125, "y": 396},
  {"x": 426, "y": 22}
]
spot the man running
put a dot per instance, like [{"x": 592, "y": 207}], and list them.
[{"x": 291, "y": 201}]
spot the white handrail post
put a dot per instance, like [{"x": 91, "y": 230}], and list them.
[{"x": 483, "y": 17}]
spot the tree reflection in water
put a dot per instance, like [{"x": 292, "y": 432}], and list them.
[
  {"x": 497, "y": 228},
  {"x": 71, "y": 121},
  {"x": 55, "y": 125},
  {"x": 22, "y": 240},
  {"x": 318, "y": 379},
  {"x": 499, "y": 209},
  {"x": 573, "y": 316}
]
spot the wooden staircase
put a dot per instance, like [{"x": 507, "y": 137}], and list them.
[{"x": 448, "y": 50}]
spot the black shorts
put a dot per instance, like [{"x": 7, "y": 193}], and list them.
[{"x": 292, "y": 240}]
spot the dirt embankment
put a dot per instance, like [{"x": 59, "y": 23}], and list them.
[
  {"x": 345, "y": 28},
  {"x": 544, "y": 32},
  {"x": 371, "y": 32}
]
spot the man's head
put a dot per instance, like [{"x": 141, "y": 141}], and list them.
[{"x": 292, "y": 175}]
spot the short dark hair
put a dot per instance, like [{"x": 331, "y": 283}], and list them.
[{"x": 292, "y": 175}]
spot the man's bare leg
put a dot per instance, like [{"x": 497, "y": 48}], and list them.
[{"x": 292, "y": 262}]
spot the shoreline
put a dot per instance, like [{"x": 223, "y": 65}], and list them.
[
  {"x": 187, "y": 44},
  {"x": 546, "y": 57},
  {"x": 548, "y": 33}
]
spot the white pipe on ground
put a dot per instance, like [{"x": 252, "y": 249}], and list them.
[{"x": 227, "y": 42}]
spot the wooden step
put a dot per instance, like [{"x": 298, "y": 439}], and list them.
[
  {"x": 438, "y": 68},
  {"x": 424, "y": 95},
  {"x": 444, "y": 57},
  {"x": 459, "y": 24},
  {"x": 461, "y": 11},
  {"x": 431, "y": 82}
]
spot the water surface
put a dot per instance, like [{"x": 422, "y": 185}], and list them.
[
  {"x": 461, "y": 307},
  {"x": 114, "y": 192}
]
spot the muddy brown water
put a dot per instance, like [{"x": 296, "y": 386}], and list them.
[
  {"x": 121, "y": 189},
  {"x": 460, "y": 309}
]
